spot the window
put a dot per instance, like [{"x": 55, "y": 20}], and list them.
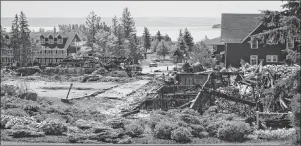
[
  {"x": 42, "y": 39},
  {"x": 272, "y": 58},
  {"x": 50, "y": 40},
  {"x": 290, "y": 43},
  {"x": 59, "y": 41},
  {"x": 253, "y": 60},
  {"x": 254, "y": 44}
]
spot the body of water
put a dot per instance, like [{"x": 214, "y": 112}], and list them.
[{"x": 198, "y": 32}]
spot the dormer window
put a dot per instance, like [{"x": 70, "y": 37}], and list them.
[
  {"x": 290, "y": 43},
  {"x": 42, "y": 39},
  {"x": 50, "y": 39},
  {"x": 59, "y": 40},
  {"x": 7, "y": 40},
  {"x": 254, "y": 44}
]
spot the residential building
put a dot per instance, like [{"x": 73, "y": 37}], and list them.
[
  {"x": 236, "y": 30},
  {"x": 54, "y": 47},
  {"x": 6, "y": 51},
  {"x": 217, "y": 47}
]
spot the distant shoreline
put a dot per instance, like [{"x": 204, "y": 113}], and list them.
[{"x": 139, "y": 21}]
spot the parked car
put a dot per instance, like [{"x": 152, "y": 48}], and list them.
[
  {"x": 157, "y": 60},
  {"x": 153, "y": 64}
]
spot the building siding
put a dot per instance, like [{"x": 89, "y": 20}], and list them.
[{"x": 237, "y": 51}]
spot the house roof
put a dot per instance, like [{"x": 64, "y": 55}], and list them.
[
  {"x": 69, "y": 35},
  {"x": 215, "y": 41},
  {"x": 236, "y": 27}
]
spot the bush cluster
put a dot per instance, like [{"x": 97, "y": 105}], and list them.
[
  {"x": 53, "y": 127},
  {"x": 134, "y": 129},
  {"x": 163, "y": 129},
  {"x": 181, "y": 135},
  {"x": 233, "y": 131}
]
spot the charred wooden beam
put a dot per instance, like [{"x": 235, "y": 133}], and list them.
[{"x": 222, "y": 95}]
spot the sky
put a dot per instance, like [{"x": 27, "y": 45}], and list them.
[{"x": 137, "y": 8}]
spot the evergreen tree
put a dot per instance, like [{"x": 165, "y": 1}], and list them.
[
  {"x": 15, "y": 39},
  {"x": 128, "y": 24},
  {"x": 146, "y": 40},
  {"x": 133, "y": 48},
  {"x": 180, "y": 35},
  {"x": 163, "y": 49},
  {"x": 102, "y": 40},
  {"x": 93, "y": 25},
  {"x": 114, "y": 25},
  {"x": 54, "y": 29},
  {"x": 120, "y": 40},
  {"x": 159, "y": 36},
  {"x": 2, "y": 37},
  {"x": 283, "y": 25},
  {"x": 24, "y": 38},
  {"x": 188, "y": 39},
  {"x": 167, "y": 38}
]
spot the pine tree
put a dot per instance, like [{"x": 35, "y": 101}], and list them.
[
  {"x": 93, "y": 25},
  {"x": 54, "y": 29},
  {"x": 15, "y": 39},
  {"x": 133, "y": 48},
  {"x": 146, "y": 40},
  {"x": 159, "y": 36},
  {"x": 128, "y": 23},
  {"x": 283, "y": 25},
  {"x": 2, "y": 37},
  {"x": 188, "y": 39},
  {"x": 167, "y": 38},
  {"x": 24, "y": 38},
  {"x": 114, "y": 25},
  {"x": 163, "y": 49},
  {"x": 120, "y": 41}
]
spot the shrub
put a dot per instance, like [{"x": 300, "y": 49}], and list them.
[
  {"x": 190, "y": 112},
  {"x": 296, "y": 110},
  {"x": 53, "y": 127},
  {"x": 83, "y": 124},
  {"x": 134, "y": 129},
  {"x": 181, "y": 135},
  {"x": 118, "y": 74},
  {"x": 100, "y": 128},
  {"x": 203, "y": 134},
  {"x": 279, "y": 134},
  {"x": 25, "y": 131},
  {"x": 14, "y": 121},
  {"x": 9, "y": 89},
  {"x": 4, "y": 120},
  {"x": 196, "y": 130},
  {"x": 212, "y": 128},
  {"x": 189, "y": 119},
  {"x": 163, "y": 130},
  {"x": 116, "y": 123},
  {"x": 28, "y": 70},
  {"x": 233, "y": 131},
  {"x": 33, "y": 107}
]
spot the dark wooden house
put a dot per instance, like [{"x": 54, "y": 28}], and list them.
[
  {"x": 54, "y": 47},
  {"x": 236, "y": 30}
]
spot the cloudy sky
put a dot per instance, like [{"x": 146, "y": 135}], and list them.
[{"x": 137, "y": 8}]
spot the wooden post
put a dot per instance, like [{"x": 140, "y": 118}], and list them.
[
  {"x": 257, "y": 119},
  {"x": 69, "y": 90}
]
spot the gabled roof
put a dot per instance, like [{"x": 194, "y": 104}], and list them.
[
  {"x": 69, "y": 35},
  {"x": 215, "y": 41},
  {"x": 236, "y": 27}
]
